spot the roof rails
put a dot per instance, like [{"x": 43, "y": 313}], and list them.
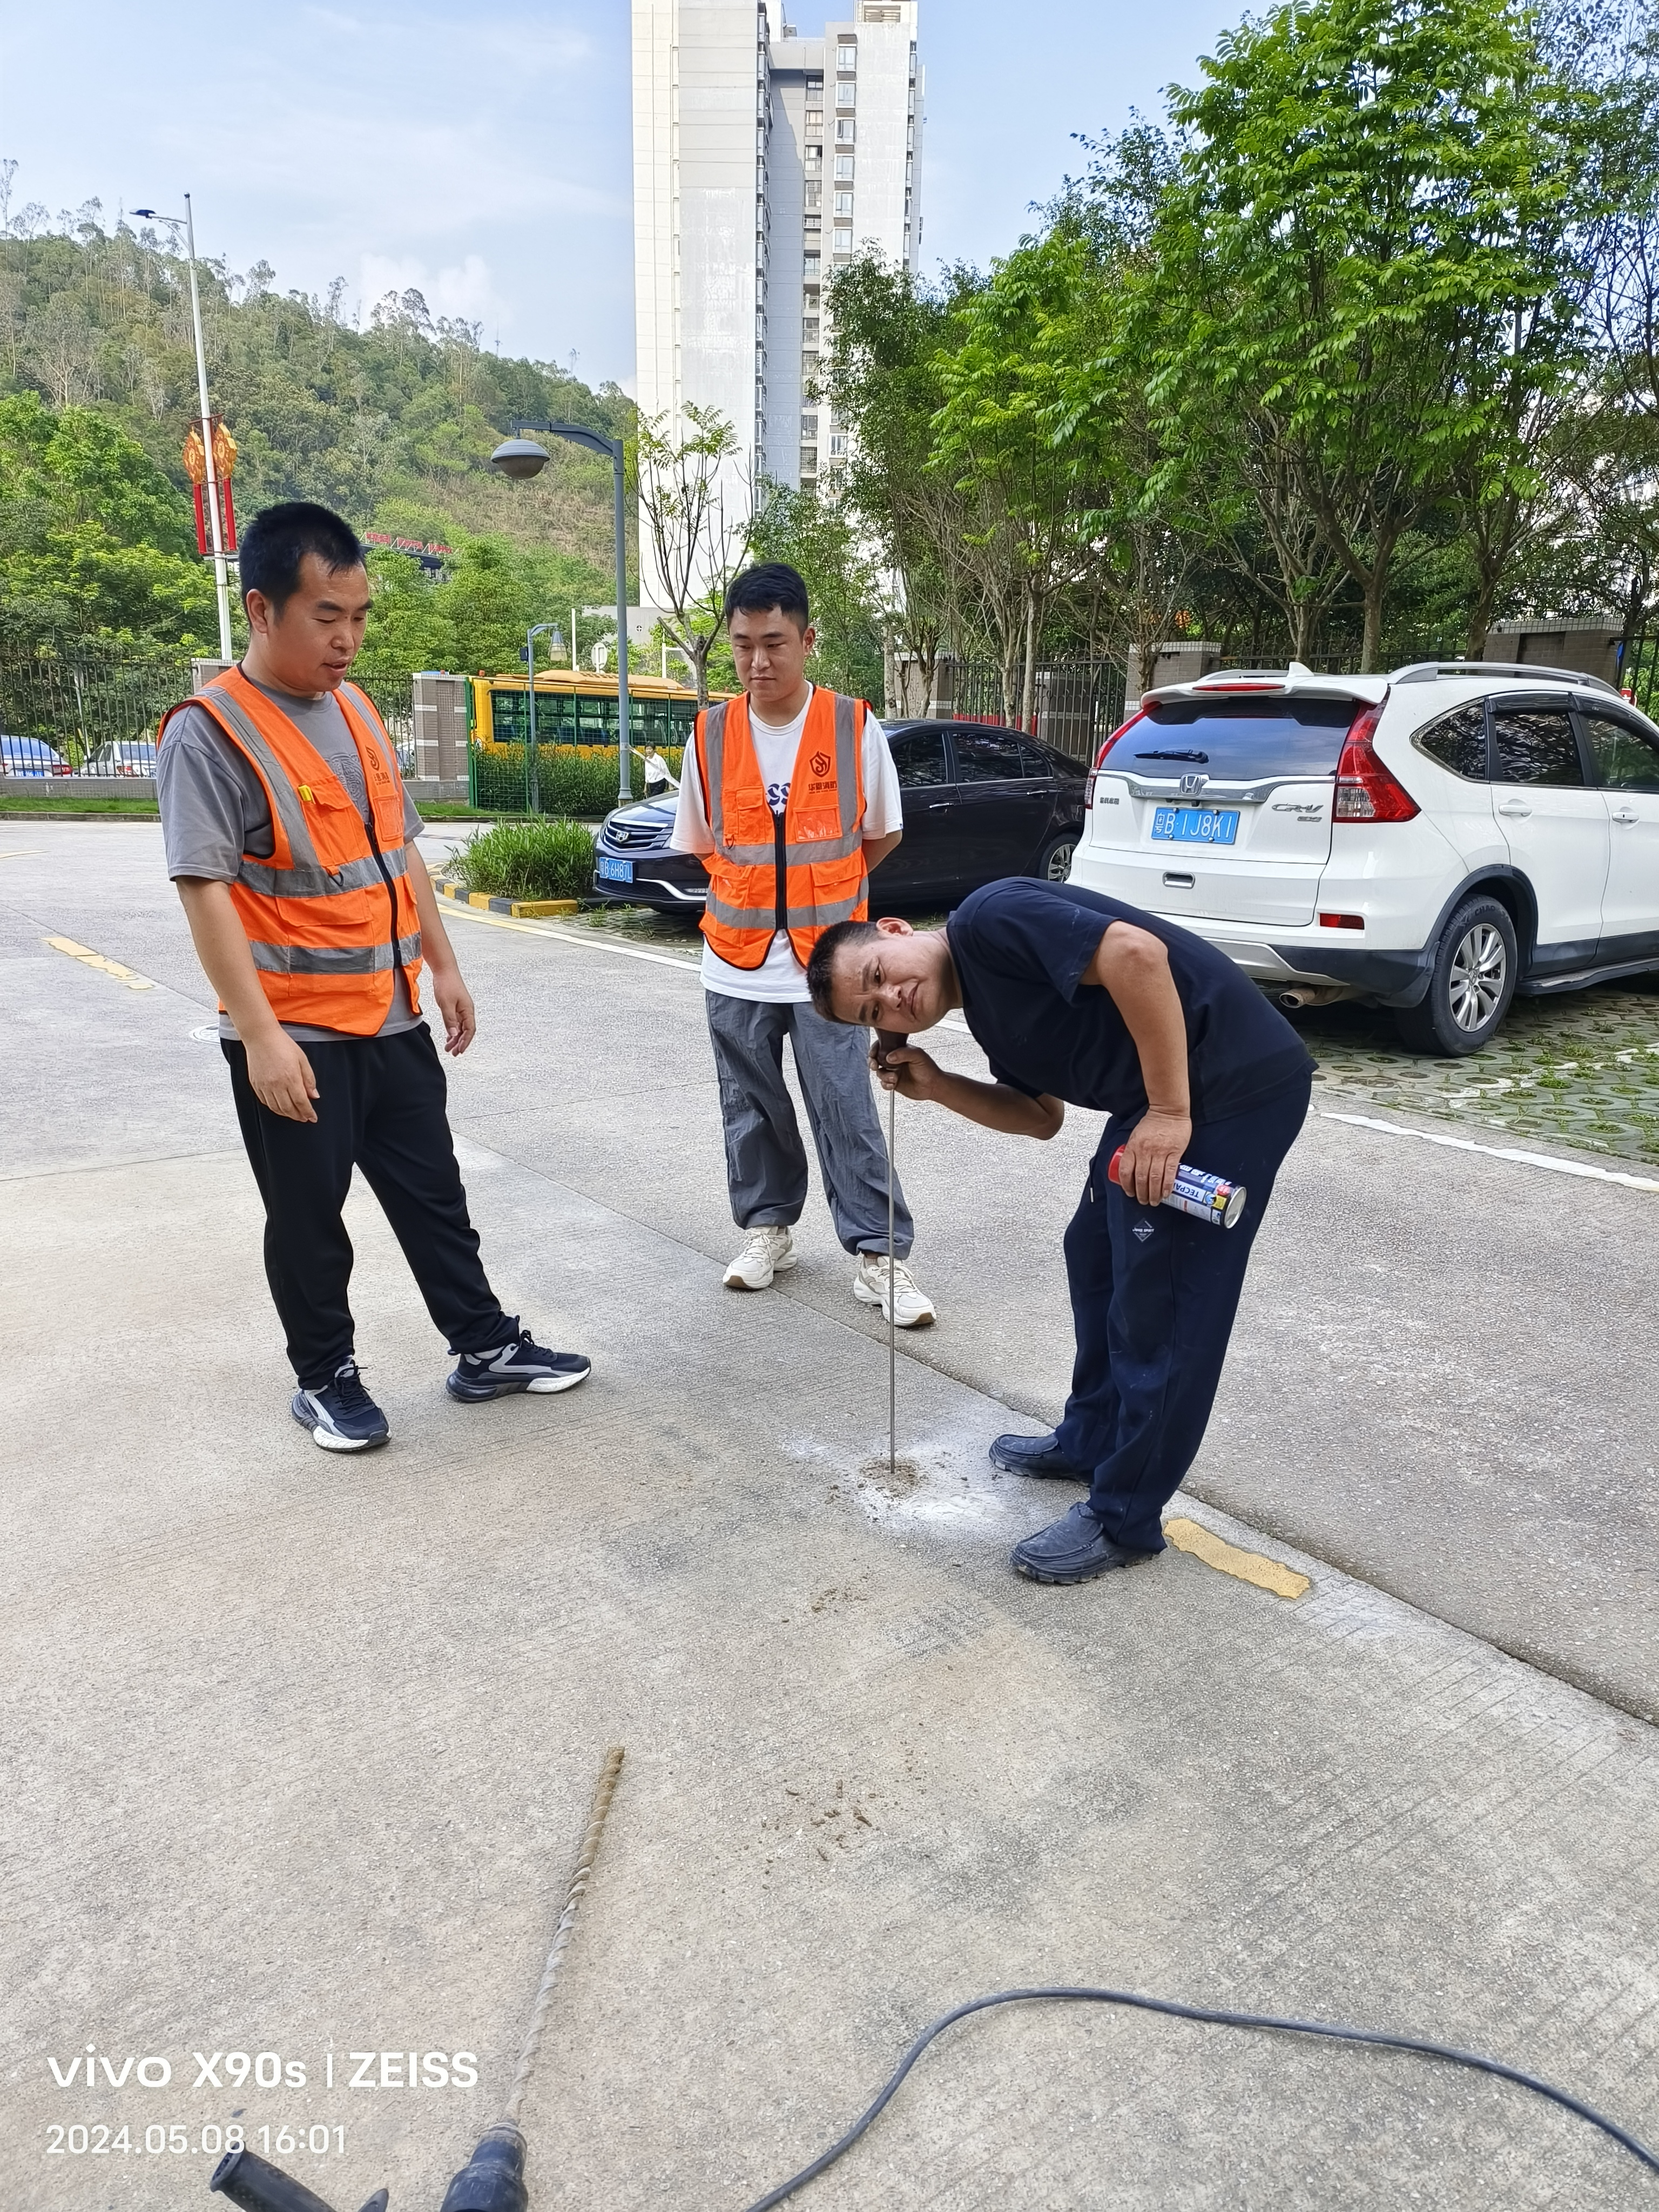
[{"x": 1427, "y": 672}]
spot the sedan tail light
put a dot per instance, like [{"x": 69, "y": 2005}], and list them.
[{"x": 1366, "y": 790}]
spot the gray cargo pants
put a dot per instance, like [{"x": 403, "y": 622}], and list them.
[{"x": 765, "y": 1160}]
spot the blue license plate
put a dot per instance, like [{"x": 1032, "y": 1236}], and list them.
[
  {"x": 1196, "y": 825},
  {"x": 614, "y": 871}
]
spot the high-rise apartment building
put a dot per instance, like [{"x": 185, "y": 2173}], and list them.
[{"x": 763, "y": 162}]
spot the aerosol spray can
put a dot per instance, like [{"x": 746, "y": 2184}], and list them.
[{"x": 1206, "y": 1197}]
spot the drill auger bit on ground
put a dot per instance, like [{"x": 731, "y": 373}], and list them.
[{"x": 492, "y": 2180}]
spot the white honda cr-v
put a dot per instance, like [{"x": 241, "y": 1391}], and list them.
[{"x": 1430, "y": 841}]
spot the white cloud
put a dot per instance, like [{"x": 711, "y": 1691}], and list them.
[{"x": 468, "y": 291}]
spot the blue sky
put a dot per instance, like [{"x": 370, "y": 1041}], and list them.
[{"x": 482, "y": 152}]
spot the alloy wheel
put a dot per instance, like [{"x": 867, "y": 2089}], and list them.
[
  {"x": 1477, "y": 975},
  {"x": 1060, "y": 863}
]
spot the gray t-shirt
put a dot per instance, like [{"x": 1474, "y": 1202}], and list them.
[{"x": 214, "y": 809}]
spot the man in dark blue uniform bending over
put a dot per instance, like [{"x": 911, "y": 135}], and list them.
[{"x": 1075, "y": 997}]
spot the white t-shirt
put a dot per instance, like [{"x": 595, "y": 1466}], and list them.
[{"x": 781, "y": 976}]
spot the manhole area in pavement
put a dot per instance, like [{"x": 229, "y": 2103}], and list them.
[
  {"x": 1581, "y": 1070},
  {"x": 208, "y": 1033}
]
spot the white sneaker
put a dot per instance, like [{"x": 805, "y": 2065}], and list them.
[
  {"x": 914, "y": 1308},
  {"x": 767, "y": 1251}
]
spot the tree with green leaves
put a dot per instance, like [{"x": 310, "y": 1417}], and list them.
[
  {"x": 94, "y": 542},
  {"x": 1369, "y": 203},
  {"x": 824, "y": 541},
  {"x": 697, "y": 513},
  {"x": 888, "y": 336},
  {"x": 475, "y": 616}
]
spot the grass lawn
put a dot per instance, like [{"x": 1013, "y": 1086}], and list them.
[{"x": 64, "y": 805}]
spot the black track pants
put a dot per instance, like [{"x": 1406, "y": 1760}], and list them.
[
  {"x": 381, "y": 1108},
  {"x": 1153, "y": 1297}
]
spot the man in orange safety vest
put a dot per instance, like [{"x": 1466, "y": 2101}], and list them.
[
  {"x": 790, "y": 798},
  {"x": 292, "y": 842}
]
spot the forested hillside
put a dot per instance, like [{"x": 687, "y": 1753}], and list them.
[{"x": 390, "y": 423}]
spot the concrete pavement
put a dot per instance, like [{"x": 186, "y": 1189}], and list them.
[{"x": 301, "y": 1747}]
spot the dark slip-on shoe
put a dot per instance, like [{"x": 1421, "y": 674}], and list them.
[
  {"x": 1072, "y": 1550},
  {"x": 1035, "y": 1455}
]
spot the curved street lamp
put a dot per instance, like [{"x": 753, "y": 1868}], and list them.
[{"x": 520, "y": 458}]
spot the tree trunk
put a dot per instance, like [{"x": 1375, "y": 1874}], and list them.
[
  {"x": 1028, "y": 680},
  {"x": 1474, "y": 641},
  {"x": 1376, "y": 584}
]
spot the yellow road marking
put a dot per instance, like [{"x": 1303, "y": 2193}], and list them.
[
  {"x": 89, "y": 958},
  {"x": 1227, "y": 1560}
]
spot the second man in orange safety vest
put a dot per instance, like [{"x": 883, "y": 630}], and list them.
[{"x": 789, "y": 796}]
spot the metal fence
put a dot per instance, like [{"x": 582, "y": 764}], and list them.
[
  {"x": 1639, "y": 672},
  {"x": 1077, "y": 702},
  {"x": 85, "y": 717},
  {"x": 63, "y": 715}
]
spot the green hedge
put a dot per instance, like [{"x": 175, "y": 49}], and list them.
[
  {"x": 569, "y": 782},
  {"x": 541, "y": 860}
]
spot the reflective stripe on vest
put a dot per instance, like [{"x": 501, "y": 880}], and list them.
[
  {"x": 808, "y": 883},
  {"x": 330, "y": 915},
  {"x": 800, "y": 917},
  {"x": 332, "y": 959}
]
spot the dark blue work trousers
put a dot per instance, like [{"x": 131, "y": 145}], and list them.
[{"x": 1153, "y": 1297}]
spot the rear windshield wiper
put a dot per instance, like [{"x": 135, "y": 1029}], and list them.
[{"x": 1163, "y": 756}]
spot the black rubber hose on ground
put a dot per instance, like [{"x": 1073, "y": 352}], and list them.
[{"x": 1214, "y": 2018}]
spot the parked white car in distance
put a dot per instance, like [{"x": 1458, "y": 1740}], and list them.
[{"x": 1432, "y": 841}]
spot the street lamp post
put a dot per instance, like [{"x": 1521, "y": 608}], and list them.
[
  {"x": 532, "y": 759},
  {"x": 521, "y": 456},
  {"x": 221, "y": 575}
]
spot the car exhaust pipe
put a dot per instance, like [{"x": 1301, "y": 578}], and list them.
[{"x": 1311, "y": 994}]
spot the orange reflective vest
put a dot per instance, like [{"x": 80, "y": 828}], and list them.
[
  {"x": 799, "y": 871},
  {"x": 330, "y": 916}
]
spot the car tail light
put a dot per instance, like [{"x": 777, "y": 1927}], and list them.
[
  {"x": 1342, "y": 921},
  {"x": 1366, "y": 790},
  {"x": 1122, "y": 730}
]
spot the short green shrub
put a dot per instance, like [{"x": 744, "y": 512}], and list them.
[
  {"x": 540, "y": 860},
  {"x": 570, "y": 780}
]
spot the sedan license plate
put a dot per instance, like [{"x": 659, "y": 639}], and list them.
[
  {"x": 613, "y": 871},
  {"x": 1196, "y": 825}
]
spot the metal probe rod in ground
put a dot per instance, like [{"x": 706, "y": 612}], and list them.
[{"x": 892, "y": 1301}]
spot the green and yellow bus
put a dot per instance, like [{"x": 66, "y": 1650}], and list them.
[{"x": 575, "y": 707}]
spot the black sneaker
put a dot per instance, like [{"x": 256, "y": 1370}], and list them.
[
  {"x": 520, "y": 1363},
  {"x": 341, "y": 1416}
]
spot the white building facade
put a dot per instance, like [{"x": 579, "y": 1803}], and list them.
[{"x": 764, "y": 161}]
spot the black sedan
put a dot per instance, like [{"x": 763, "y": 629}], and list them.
[{"x": 978, "y": 803}]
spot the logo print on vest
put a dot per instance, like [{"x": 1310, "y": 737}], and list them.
[
  {"x": 819, "y": 764},
  {"x": 1142, "y": 1231}
]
